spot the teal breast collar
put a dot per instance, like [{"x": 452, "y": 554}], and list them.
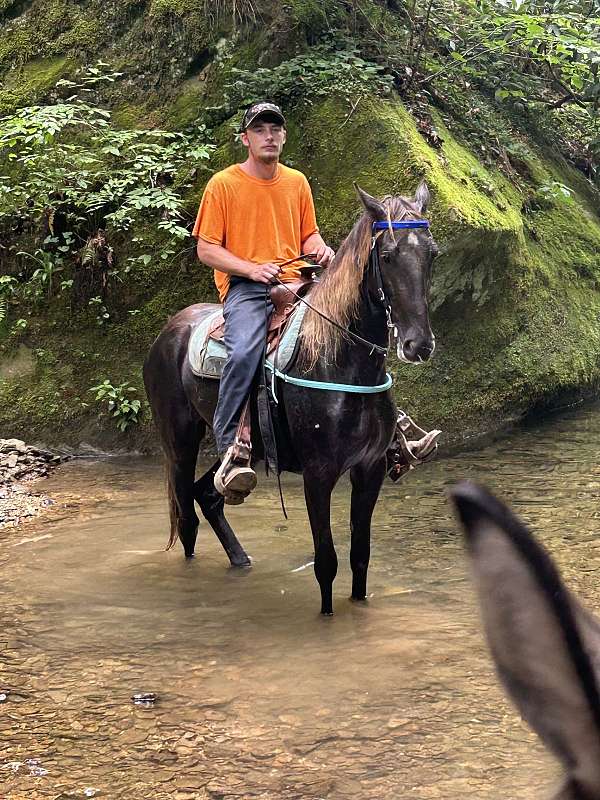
[{"x": 330, "y": 387}]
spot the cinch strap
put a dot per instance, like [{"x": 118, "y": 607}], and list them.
[
  {"x": 333, "y": 387},
  {"x": 414, "y": 223}
]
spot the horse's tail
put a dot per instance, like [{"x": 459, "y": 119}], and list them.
[
  {"x": 180, "y": 427},
  {"x": 174, "y": 515}
]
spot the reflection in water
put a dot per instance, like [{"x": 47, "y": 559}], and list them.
[{"x": 257, "y": 695}]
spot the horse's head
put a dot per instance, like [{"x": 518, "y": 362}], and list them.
[{"x": 405, "y": 257}]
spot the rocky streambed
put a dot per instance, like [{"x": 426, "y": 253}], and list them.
[{"x": 20, "y": 466}]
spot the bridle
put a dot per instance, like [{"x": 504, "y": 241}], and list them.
[{"x": 373, "y": 268}]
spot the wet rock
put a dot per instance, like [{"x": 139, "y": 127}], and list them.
[
  {"x": 144, "y": 698},
  {"x": 35, "y": 768},
  {"x": 6, "y": 445},
  {"x": 397, "y": 722},
  {"x": 163, "y": 757},
  {"x": 19, "y": 460},
  {"x": 22, "y": 464}
]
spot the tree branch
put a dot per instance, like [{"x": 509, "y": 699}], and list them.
[{"x": 570, "y": 96}]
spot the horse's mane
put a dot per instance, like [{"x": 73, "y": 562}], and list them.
[{"x": 338, "y": 292}]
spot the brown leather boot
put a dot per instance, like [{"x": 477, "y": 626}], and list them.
[{"x": 234, "y": 479}]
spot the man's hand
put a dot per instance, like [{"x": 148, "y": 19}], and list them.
[
  {"x": 263, "y": 273},
  {"x": 324, "y": 255}
]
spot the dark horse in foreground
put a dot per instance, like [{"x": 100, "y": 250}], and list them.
[
  {"x": 330, "y": 432},
  {"x": 545, "y": 644}
]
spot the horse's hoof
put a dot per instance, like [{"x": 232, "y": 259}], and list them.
[
  {"x": 189, "y": 556},
  {"x": 242, "y": 563},
  {"x": 326, "y": 613},
  {"x": 362, "y": 599}
]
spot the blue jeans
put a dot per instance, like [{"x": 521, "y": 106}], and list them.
[{"x": 246, "y": 310}]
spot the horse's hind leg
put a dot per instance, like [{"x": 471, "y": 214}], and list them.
[
  {"x": 366, "y": 485},
  {"x": 317, "y": 491},
  {"x": 212, "y": 505},
  {"x": 181, "y": 471}
]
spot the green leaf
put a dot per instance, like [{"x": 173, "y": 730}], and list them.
[{"x": 577, "y": 82}]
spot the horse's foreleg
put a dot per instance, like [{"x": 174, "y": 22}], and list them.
[
  {"x": 212, "y": 506},
  {"x": 317, "y": 492},
  {"x": 366, "y": 485}
]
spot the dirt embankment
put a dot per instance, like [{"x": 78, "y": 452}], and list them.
[{"x": 20, "y": 466}]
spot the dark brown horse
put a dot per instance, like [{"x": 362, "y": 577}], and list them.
[{"x": 330, "y": 432}]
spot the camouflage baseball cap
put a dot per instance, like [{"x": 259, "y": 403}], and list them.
[{"x": 269, "y": 111}]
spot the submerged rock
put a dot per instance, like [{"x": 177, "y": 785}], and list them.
[{"x": 144, "y": 698}]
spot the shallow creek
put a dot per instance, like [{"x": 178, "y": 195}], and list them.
[{"x": 258, "y": 696}]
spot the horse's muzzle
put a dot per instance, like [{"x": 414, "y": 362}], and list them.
[{"x": 416, "y": 349}]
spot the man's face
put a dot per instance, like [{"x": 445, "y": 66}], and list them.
[{"x": 264, "y": 140}]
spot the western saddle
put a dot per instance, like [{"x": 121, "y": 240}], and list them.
[{"x": 284, "y": 298}]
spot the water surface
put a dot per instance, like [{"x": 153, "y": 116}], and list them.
[{"x": 260, "y": 697}]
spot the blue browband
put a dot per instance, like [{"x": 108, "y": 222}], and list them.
[{"x": 414, "y": 223}]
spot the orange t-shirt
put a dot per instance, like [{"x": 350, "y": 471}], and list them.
[{"x": 257, "y": 220}]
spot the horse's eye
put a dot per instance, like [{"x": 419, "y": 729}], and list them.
[
  {"x": 435, "y": 250},
  {"x": 386, "y": 256}
]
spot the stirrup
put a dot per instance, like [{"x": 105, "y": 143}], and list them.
[
  {"x": 408, "y": 426},
  {"x": 235, "y": 478},
  {"x": 404, "y": 454}
]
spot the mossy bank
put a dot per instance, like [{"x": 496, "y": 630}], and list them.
[{"x": 515, "y": 294}]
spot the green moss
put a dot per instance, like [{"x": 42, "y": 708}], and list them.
[
  {"x": 314, "y": 15},
  {"x": 32, "y": 35},
  {"x": 85, "y": 36},
  {"x": 37, "y": 398},
  {"x": 19, "y": 45},
  {"x": 476, "y": 211},
  {"x": 29, "y": 83},
  {"x": 185, "y": 109},
  {"x": 159, "y": 8},
  {"x": 129, "y": 115}
]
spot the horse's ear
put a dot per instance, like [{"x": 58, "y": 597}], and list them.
[
  {"x": 371, "y": 204},
  {"x": 422, "y": 197},
  {"x": 545, "y": 645}
]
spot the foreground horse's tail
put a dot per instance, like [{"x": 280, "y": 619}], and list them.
[{"x": 174, "y": 514}]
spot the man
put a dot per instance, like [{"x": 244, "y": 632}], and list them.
[{"x": 253, "y": 217}]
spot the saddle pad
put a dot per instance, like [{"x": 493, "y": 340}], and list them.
[{"x": 207, "y": 357}]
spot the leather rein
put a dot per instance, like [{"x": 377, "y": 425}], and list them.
[{"x": 374, "y": 267}]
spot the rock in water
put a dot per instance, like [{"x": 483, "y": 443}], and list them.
[{"x": 22, "y": 464}]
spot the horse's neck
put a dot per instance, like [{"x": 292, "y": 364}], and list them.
[
  {"x": 355, "y": 359},
  {"x": 371, "y": 319}
]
